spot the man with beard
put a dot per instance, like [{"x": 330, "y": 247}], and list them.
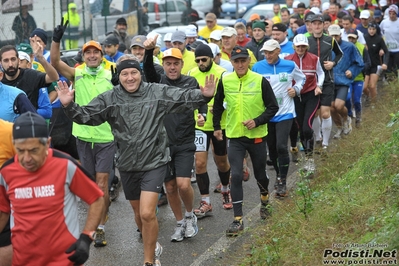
[
  {"x": 28, "y": 80},
  {"x": 120, "y": 33},
  {"x": 204, "y": 130}
]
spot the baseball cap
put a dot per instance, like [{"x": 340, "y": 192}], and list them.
[
  {"x": 178, "y": 36},
  {"x": 279, "y": 27},
  {"x": 254, "y": 17},
  {"x": 111, "y": 40},
  {"x": 350, "y": 7},
  {"x": 393, "y": 8},
  {"x": 23, "y": 56},
  {"x": 121, "y": 21},
  {"x": 373, "y": 25},
  {"x": 377, "y": 13},
  {"x": 353, "y": 33},
  {"x": 334, "y": 30},
  {"x": 167, "y": 37},
  {"x": 91, "y": 44},
  {"x": 239, "y": 52},
  {"x": 153, "y": 34},
  {"x": 24, "y": 47},
  {"x": 138, "y": 40},
  {"x": 325, "y": 6},
  {"x": 215, "y": 49},
  {"x": 300, "y": 39},
  {"x": 243, "y": 21},
  {"x": 228, "y": 31},
  {"x": 383, "y": 3},
  {"x": 295, "y": 4},
  {"x": 270, "y": 45},
  {"x": 197, "y": 43},
  {"x": 301, "y": 5},
  {"x": 216, "y": 35},
  {"x": 315, "y": 10},
  {"x": 309, "y": 16},
  {"x": 317, "y": 18},
  {"x": 210, "y": 17},
  {"x": 29, "y": 125},
  {"x": 365, "y": 14},
  {"x": 172, "y": 52},
  {"x": 191, "y": 31}
]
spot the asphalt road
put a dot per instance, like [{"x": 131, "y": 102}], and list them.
[{"x": 125, "y": 247}]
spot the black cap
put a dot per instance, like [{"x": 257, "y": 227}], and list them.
[
  {"x": 121, "y": 21},
  {"x": 111, "y": 40},
  {"x": 279, "y": 27},
  {"x": 29, "y": 125},
  {"x": 239, "y": 52},
  {"x": 203, "y": 50},
  {"x": 373, "y": 25},
  {"x": 309, "y": 16},
  {"x": 301, "y": 5},
  {"x": 317, "y": 18}
]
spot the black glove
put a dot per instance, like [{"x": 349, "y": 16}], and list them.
[
  {"x": 59, "y": 31},
  {"x": 115, "y": 76},
  {"x": 82, "y": 249}
]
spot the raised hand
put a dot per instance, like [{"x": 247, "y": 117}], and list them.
[
  {"x": 64, "y": 94},
  {"x": 115, "y": 76},
  {"x": 210, "y": 85},
  {"x": 36, "y": 46},
  {"x": 59, "y": 31},
  {"x": 150, "y": 43}
]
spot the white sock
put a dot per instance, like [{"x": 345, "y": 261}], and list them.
[
  {"x": 102, "y": 227},
  {"x": 316, "y": 128},
  {"x": 189, "y": 214},
  {"x": 180, "y": 222},
  {"x": 206, "y": 199},
  {"x": 225, "y": 188},
  {"x": 326, "y": 129}
]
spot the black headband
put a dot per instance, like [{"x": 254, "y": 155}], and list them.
[{"x": 128, "y": 64}]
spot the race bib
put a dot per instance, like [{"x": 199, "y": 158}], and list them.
[
  {"x": 283, "y": 77},
  {"x": 392, "y": 45},
  {"x": 200, "y": 140}
]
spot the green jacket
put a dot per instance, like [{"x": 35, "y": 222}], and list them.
[{"x": 87, "y": 87}]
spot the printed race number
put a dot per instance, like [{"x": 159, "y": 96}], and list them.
[{"x": 200, "y": 140}]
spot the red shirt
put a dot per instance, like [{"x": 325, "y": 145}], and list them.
[{"x": 44, "y": 208}]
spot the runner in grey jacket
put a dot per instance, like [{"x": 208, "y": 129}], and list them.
[{"x": 135, "y": 111}]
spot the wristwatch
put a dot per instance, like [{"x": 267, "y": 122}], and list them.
[{"x": 91, "y": 234}]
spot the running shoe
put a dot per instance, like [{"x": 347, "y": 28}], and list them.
[
  {"x": 114, "y": 191},
  {"x": 235, "y": 228},
  {"x": 162, "y": 199},
  {"x": 157, "y": 255},
  {"x": 281, "y": 190},
  {"x": 294, "y": 154},
  {"x": 191, "y": 226},
  {"x": 246, "y": 173},
  {"x": 264, "y": 209},
  {"x": 347, "y": 126},
  {"x": 218, "y": 188},
  {"x": 358, "y": 122},
  {"x": 338, "y": 134},
  {"x": 179, "y": 233},
  {"x": 100, "y": 241},
  {"x": 204, "y": 209},
  {"x": 227, "y": 202}
]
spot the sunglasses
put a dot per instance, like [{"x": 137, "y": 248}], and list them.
[{"x": 203, "y": 60}]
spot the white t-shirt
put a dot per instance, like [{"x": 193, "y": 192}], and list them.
[{"x": 390, "y": 31}]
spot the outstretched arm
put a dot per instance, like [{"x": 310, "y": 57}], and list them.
[{"x": 51, "y": 73}]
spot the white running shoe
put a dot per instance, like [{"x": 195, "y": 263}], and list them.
[
  {"x": 179, "y": 233},
  {"x": 338, "y": 134},
  {"x": 158, "y": 252},
  {"x": 191, "y": 226},
  {"x": 347, "y": 126}
]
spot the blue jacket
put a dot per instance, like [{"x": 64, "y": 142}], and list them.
[
  {"x": 44, "y": 106},
  {"x": 352, "y": 60}
]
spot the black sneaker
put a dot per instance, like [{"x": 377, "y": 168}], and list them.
[
  {"x": 114, "y": 191},
  {"x": 235, "y": 228},
  {"x": 100, "y": 241},
  {"x": 281, "y": 190},
  {"x": 264, "y": 209}
]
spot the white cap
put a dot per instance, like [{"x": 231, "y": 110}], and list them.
[
  {"x": 365, "y": 14},
  {"x": 383, "y": 3},
  {"x": 216, "y": 35},
  {"x": 152, "y": 35},
  {"x": 315, "y": 10},
  {"x": 228, "y": 31},
  {"x": 325, "y": 6},
  {"x": 191, "y": 31},
  {"x": 215, "y": 49},
  {"x": 300, "y": 39},
  {"x": 167, "y": 37},
  {"x": 334, "y": 30},
  {"x": 295, "y": 4},
  {"x": 350, "y": 7},
  {"x": 270, "y": 45},
  {"x": 23, "y": 56}
]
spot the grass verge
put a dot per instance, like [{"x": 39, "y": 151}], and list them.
[{"x": 353, "y": 199}]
